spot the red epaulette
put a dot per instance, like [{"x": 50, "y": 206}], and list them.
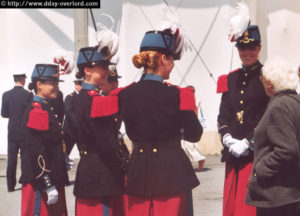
[
  {"x": 38, "y": 118},
  {"x": 106, "y": 105},
  {"x": 222, "y": 85},
  {"x": 187, "y": 99}
]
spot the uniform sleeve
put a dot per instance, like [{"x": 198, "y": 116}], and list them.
[
  {"x": 189, "y": 122},
  {"x": 5, "y": 107},
  {"x": 225, "y": 115},
  {"x": 69, "y": 107},
  {"x": 282, "y": 135},
  {"x": 60, "y": 107},
  {"x": 37, "y": 139},
  {"x": 192, "y": 129},
  {"x": 39, "y": 158}
]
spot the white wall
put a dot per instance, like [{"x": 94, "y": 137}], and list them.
[
  {"x": 29, "y": 37},
  {"x": 32, "y": 36}
]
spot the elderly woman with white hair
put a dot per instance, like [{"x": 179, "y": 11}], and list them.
[{"x": 274, "y": 184}]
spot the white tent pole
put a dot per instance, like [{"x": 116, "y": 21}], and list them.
[
  {"x": 80, "y": 29},
  {"x": 252, "y": 11}
]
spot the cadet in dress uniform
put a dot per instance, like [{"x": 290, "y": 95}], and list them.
[
  {"x": 120, "y": 147},
  {"x": 99, "y": 179},
  {"x": 69, "y": 127},
  {"x": 242, "y": 105},
  {"x": 112, "y": 83},
  {"x": 154, "y": 114},
  {"x": 14, "y": 103},
  {"x": 44, "y": 173}
]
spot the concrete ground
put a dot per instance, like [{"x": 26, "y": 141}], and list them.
[{"x": 207, "y": 197}]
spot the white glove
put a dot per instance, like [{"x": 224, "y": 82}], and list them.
[
  {"x": 69, "y": 163},
  {"x": 52, "y": 195},
  {"x": 239, "y": 148},
  {"x": 228, "y": 140}
]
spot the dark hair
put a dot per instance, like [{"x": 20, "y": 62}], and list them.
[
  {"x": 32, "y": 85},
  {"x": 80, "y": 73},
  {"x": 19, "y": 79}
]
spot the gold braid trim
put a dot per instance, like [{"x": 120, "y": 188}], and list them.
[{"x": 42, "y": 165}]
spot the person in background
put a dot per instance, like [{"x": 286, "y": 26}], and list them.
[
  {"x": 44, "y": 171},
  {"x": 242, "y": 105},
  {"x": 274, "y": 184},
  {"x": 120, "y": 146},
  {"x": 191, "y": 149},
  {"x": 69, "y": 126},
  {"x": 112, "y": 83},
  {"x": 14, "y": 103}
]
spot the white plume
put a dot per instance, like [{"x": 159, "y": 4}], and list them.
[
  {"x": 115, "y": 60},
  {"x": 102, "y": 26},
  {"x": 65, "y": 60},
  {"x": 107, "y": 38},
  {"x": 239, "y": 21},
  {"x": 169, "y": 20}
]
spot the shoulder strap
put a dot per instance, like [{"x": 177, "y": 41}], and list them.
[
  {"x": 106, "y": 105},
  {"x": 222, "y": 84}
]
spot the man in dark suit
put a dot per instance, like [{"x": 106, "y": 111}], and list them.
[
  {"x": 69, "y": 127},
  {"x": 14, "y": 103}
]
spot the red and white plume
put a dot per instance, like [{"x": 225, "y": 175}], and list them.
[
  {"x": 169, "y": 20},
  {"x": 239, "y": 21},
  {"x": 65, "y": 60},
  {"x": 107, "y": 38}
]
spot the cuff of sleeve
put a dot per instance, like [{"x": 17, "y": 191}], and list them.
[
  {"x": 224, "y": 130},
  {"x": 47, "y": 181}
]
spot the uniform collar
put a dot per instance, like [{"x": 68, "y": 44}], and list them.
[
  {"x": 255, "y": 66},
  {"x": 90, "y": 87},
  {"x": 154, "y": 77},
  {"x": 40, "y": 100}
]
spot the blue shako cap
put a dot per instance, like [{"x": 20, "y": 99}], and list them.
[
  {"x": 45, "y": 72},
  {"x": 250, "y": 37},
  {"x": 91, "y": 56},
  {"x": 160, "y": 41}
]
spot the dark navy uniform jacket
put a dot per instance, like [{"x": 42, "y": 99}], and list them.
[
  {"x": 14, "y": 103},
  {"x": 43, "y": 160},
  {"x": 242, "y": 105},
  {"x": 58, "y": 106},
  {"x": 154, "y": 123},
  {"x": 99, "y": 172},
  {"x": 70, "y": 121}
]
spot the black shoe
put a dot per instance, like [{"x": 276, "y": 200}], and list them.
[{"x": 11, "y": 189}]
